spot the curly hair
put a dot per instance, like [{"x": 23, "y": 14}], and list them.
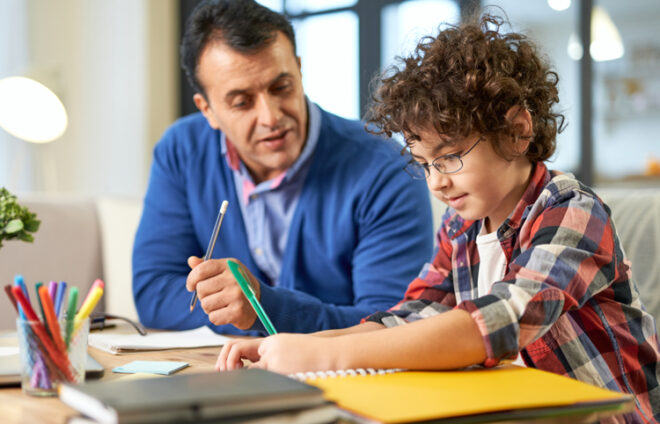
[{"x": 464, "y": 81}]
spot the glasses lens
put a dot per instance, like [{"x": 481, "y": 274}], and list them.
[
  {"x": 448, "y": 164},
  {"x": 415, "y": 170}
]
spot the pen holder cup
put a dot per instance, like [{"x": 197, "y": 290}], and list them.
[{"x": 47, "y": 361}]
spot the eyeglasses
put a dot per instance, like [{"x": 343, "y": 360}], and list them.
[{"x": 445, "y": 164}]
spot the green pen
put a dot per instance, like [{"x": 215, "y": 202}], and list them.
[
  {"x": 70, "y": 314},
  {"x": 251, "y": 297}
]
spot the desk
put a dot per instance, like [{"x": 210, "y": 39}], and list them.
[{"x": 17, "y": 407}]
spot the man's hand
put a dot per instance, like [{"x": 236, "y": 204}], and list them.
[{"x": 219, "y": 294}]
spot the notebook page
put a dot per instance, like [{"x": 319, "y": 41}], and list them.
[{"x": 116, "y": 343}]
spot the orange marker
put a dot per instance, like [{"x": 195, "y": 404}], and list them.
[{"x": 51, "y": 318}]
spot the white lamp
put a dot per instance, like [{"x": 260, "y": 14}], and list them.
[
  {"x": 30, "y": 111},
  {"x": 606, "y": 43}
]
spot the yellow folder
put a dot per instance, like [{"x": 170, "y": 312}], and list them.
[{"x": 418, "y": 396}]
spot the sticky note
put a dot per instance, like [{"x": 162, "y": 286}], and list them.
[{"x": 151, "y": 367}]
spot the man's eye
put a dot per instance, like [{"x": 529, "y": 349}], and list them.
[
  {"x": 281, "y": 87},
  {"x": 239, "y": 103}
]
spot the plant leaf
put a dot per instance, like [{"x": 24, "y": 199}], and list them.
[
  {"x": 25, "y": 237},
  {"x": 13, "y": 226},
  {"x": 32, "y": 225}
]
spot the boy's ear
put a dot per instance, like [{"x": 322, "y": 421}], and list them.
[{"x": 521, "y": 120}]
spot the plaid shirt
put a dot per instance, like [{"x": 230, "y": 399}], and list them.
[{"x": 566, "y": 303}]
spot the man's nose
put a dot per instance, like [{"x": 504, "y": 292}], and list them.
[{"x": 268, "y": 111}]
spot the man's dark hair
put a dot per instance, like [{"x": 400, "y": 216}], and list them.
[{"x": 243, "y": 25}]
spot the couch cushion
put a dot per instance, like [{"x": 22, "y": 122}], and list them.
[
  {"x": 636, "y": 214},
  {"x": 67, "y": 247}
]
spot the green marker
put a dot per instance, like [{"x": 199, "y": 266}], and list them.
[
  {"x": 70, "y": 314},
  {"x": 251, "y": 297}
]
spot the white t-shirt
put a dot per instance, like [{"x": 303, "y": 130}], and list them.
[{"x": 492, "y": 266}]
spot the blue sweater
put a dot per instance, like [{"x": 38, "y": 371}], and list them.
[{"x": 361, "y": 232}]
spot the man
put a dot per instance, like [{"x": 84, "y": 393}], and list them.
[{"x": 326, "y": 224}]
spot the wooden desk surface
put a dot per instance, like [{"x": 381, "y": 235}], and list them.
[{"x": 17, "y": 407}]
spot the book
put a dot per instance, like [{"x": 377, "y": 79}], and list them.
[
  {"x": 470, "y": 395},
  {"x": 118, "y": 343},
  {"x": 192, "y": 397}
]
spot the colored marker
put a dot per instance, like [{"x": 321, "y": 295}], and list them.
[
  {"x": 62, "y": 361},
  {"x": 51, "y": 318},
  {"x": 10, "y": 295},
  {"x": 70, "y": 314},
  {"x": 87, "y": 307},
  {"x": 251, "y": 297},
  {"x": 61, "y": 290},
  {"x": 38, "y": 286},
  {"x": 52, "y": 290},
  {"x": 97, "y": 283},
  {"x": 18, "y": 281}
]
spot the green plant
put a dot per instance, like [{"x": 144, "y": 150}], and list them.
[{"x": 16, "y": 221}]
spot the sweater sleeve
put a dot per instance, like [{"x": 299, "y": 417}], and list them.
[
  {"x": 392, "y": 226},
  {"x": 159, "y": 265},
  {"x": 432, "y": 292}
]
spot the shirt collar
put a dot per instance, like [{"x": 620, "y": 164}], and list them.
[{"x": 314, "y": 128}]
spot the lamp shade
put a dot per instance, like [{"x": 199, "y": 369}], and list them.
[
  {"x": 30, "y": 111},
  {"x": 606, "y": 42}
]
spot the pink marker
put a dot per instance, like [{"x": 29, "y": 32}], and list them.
[
  {"x": 97, "y": 283},
  {"x": 52, "y": 289}
]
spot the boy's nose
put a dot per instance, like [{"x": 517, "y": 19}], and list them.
[{"x": 438, "y": 181}]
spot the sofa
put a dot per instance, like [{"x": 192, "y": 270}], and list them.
[
  {"x": 80, "y": 239},
  {"x": 83, "y": 238}
]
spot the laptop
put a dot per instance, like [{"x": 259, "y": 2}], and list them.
[{"x": 10, "y": 362}]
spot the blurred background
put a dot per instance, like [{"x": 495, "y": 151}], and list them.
[{"x": 113, "y": 65}]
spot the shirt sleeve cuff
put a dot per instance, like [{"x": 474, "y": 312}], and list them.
[
  {"x": 387, "y": 319},
  {"x": 500, "y": 339}
]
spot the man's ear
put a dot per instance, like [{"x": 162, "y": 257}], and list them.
[
  {"x": 521, "y": 120},
  {"x": 205, "y": 108}
]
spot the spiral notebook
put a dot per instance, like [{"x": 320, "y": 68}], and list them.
[{"x": 471, "y": 395}]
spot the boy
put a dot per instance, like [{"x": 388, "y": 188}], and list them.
[{"x": 528, "y": 265}]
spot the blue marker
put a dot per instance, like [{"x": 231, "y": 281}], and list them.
[
  {"x": 18, "y": 281},
  {"x": 61, "y": 289}
]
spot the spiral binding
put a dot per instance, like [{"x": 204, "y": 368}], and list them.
[{"x": 311, "y": 375}]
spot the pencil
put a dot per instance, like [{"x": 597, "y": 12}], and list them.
[{"x": 209, "y": 249}]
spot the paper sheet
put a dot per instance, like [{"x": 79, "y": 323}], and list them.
[
  {"x": 151, "y": 367},
  {"x": 117, "y": 343}
]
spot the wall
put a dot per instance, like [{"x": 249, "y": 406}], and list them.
[{"x": 114, "y": 65}]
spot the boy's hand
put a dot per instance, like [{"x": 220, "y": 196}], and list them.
[
  {"x": 289, "y": 353},
  {"x": 233, "y": 352},
  {"x": 219, "y": 294}
]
